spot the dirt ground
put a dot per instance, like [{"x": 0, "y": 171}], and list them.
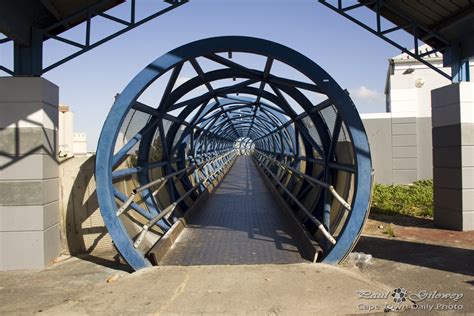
[
  {"x": 432, "y": 268},
  {"x": 420, "y": 258}
]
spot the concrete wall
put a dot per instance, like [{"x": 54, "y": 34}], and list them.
[
  {"x": 401, "y": 147},
  {"x": 379, "y": 132},
  {"x": 424, "y": 148},
  {"x": 82, "y": 227},
  {"x": 404, "y": 150}
]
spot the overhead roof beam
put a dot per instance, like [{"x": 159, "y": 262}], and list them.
[
  {"x": 52, "y": 9},
  {"x": 15, "y": 24},
  {"x": 29, "y": 31},
  {"x": 453, "y": 45}
]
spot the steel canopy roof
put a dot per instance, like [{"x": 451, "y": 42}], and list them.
[
  {"x": 19, "y": 17},
  {"x": 452, "y": 20},
  {"x": 446, "y": 25}
]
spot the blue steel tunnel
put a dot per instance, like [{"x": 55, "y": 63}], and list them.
[{"x": 181, "y": 123}]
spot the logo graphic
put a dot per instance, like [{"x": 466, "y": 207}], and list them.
[
  {"x": 422, "y": 300},
  {"x": 399, "y": 295}
]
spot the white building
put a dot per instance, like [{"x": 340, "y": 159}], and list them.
[
  {"x": 79, "y": 144},
  {"x": 65, "y": 131},
  {"x": 69, "y": 143},
  {"x": 400, "y": 139},
  {"x": 409, "y": 83}
]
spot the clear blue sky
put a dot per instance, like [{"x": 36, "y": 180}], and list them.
[{"x": 351, "y": 55}]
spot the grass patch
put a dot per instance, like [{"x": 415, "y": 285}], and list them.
[
  {"x": 389, "y": 231},
  {"x": 412, "y": 200}
]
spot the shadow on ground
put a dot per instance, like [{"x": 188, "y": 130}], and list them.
[
  {"x": 451, "y": 259},
  {"x": 402, "y": 220},
  {"x": 108, "y": 260},
  {"x": 240, "y": 223}
]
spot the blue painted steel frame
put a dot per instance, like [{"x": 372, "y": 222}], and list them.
[
  {"x": 28, "y": 58},
  {"x": 209, "y": 47},
  {"x": 450, "y": 51}
]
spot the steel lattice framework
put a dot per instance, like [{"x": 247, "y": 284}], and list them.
[{"x": 153, "y": 162}]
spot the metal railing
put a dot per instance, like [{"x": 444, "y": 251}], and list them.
[
  {"x": 312, "y": 181},
  {"x": 319, "y": 225},
  {"x": 220, "y": 164}
]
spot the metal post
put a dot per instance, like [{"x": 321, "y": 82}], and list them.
[{"x": 28, "y": 60}]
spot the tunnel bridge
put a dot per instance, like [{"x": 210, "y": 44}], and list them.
[{"x": 255, "y": 145}]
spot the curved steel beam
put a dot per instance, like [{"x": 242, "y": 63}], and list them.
[{"x": 199, "y": 144}]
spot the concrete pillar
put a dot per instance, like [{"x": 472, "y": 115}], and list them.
[
  {"x": 453, "y": 155},
  {"x": 29, "y": 183}
]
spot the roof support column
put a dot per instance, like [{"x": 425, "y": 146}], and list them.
[
  {"x": 453, "y": 148},
  {"x": 29, "y": 173},
  {"x": 460, "y": 71},
  {"x": 28, "y": 60}
]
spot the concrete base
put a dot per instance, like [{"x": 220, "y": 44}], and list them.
[
  {"x": 453, "y": 155},
  {"x": 29, "y": 178},
  {"x": 297, "y": 289},
  {"x": 417, "y": 259}
]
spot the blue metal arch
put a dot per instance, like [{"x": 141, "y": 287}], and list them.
[{"x": 210, "y": 143}]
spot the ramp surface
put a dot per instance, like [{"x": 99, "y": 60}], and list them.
[{"x": 240, "y": 223}]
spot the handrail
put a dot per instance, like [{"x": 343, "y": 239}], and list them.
[
  {"x": 161, "y": 180},
  {"x": 328, "y": 186},
  {"x": 301, "y": 206},
  {"x": 173, "y": 206}
]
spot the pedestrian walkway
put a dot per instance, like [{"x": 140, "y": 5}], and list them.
[{"x": 239, "y": 223}]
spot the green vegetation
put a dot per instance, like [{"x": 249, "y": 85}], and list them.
[
  {"x": 412, "y": 200},
  {"x": 389, "y": 231}
]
